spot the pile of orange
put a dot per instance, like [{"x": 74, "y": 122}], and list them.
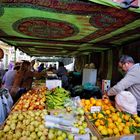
[
  {"x": 109, "y": 121},
  {"x": 88, "y": 103}
]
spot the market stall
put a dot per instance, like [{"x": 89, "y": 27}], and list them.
[{"x": 52, "y": 114}]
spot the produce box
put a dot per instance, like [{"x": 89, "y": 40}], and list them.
[
  {"x": 96, "y": 132},
  {"x": 92, "y": 129}
]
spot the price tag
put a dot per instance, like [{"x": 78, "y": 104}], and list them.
[
  {"x": 82, "y": 137},
  {"x": 94, "y": 109},
  {"x": 128, "y": 137}
]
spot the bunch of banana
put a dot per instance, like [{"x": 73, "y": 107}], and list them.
[{"x": 55, "y": 98}]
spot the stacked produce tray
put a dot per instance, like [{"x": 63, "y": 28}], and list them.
[{"x": 109, "y": 123}]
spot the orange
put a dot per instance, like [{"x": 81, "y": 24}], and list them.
[
  {"x": 102, "y": 122},
  {"x": 126, "y": 117},
  {"x": 106, "y": 101},
  {"x": 128, "y": 123},
  {"x": 97, "y": 123},
  {"x": 87, "y": 102},
  {"x": 92, "y": 101},
  {"x": 106, "y": 107},
  {"x": 107, "y": 111},
  {"x": 98, "y": 102},
  {"x": 111, "y": 125},
  {"x": 110, "y": 120}
]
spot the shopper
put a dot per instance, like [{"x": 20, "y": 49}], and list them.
[
  {"x": 62, "y": 74},
  {"x": 41, "y": 67},
  {"x": 131, "y": 80},
  {"x": 9, "y": 76}
]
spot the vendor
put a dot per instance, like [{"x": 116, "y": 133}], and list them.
[
  {"x": 23, "y": 80},
  {"x": 131, "y": 80}
]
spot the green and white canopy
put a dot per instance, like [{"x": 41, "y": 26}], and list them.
[{"x": 67, "y": 27}]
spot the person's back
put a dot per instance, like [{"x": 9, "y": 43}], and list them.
[
  {"x": 8, "y": 79},
  {"x": 62, "y": 73},
  {"x": 9, "y": 76}
]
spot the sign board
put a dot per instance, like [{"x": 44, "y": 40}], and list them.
[
  {"x": 50, "y": 84},
  {"x": 94, "y": 109},
  {"x": 128, "y": 137}
]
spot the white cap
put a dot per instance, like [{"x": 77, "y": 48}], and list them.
[{"x": 126, "y": 101}]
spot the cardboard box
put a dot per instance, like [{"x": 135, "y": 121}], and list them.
[
  {"x": 122, "y": 137},
  {"x": 50, "y": 84}
]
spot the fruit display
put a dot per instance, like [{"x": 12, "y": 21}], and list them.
[
  {"x": 59, "y": 135},
  {"x": 32, "y": 100},
  {"x": 78, "y": 127},
  {"x": 109, "y": 121},
  {"x": 56, "y": 97},
  {"x": 55, "y": 134},
  {"x": 27, "y": 125},
  {"x": 88, "y": 103}
]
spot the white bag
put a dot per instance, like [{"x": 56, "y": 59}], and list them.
[
  {"x": 126, "y": 101},
  {"x": 2, "y": 112}
]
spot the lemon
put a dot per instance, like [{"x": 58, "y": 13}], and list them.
[
  {"x": 110, "y": 131},
  {"x": 94, "y": 115},
  {"x": 100, "y": 127},
  {"x": 119, "y": 120},
  {"x": 115, "y": 117},
  {"x": 104, "y": 132},
  {"x": 120, "y": 127},
  {"x": 126, "y": 130},
  {"x": 107, "y": 111},
  {"x": 100, "y": 116},
  {"x": 116, "y": 130}
]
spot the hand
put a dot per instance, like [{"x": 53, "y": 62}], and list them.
[{"x": 105, "y": 96}]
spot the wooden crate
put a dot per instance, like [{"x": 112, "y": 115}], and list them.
[{"x": 122, "y": 137}]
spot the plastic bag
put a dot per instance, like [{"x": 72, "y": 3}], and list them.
[
  {"x": 126, "y": 101},
  {"x": 2, "y": 114},
  {"x": 88, "y": 86}
]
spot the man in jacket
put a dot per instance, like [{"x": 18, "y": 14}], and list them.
[{"x": 131, "y": 80}]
